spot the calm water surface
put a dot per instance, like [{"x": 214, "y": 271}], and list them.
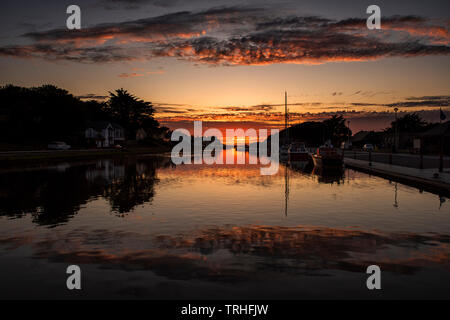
[{"x": 144, "y": 228}]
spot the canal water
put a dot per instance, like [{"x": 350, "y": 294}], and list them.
[{"x": 141, "y": 227}]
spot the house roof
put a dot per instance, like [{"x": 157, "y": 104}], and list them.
[
  {"x": 100, "y": 125},
  {"x": 438, "y": 130},
  {"x": 360, "y": 136}
]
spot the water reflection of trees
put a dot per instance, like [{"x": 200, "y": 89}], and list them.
[
  {"x": 135, "y": 188},
  {"x": 54, "y": 195}
]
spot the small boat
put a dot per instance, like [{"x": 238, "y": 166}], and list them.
[
  {"x": 297, "y": 152},
  {"x": 327, "y": 156}
]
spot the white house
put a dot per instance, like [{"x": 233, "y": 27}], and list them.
[{"x": 105, "y": 134}]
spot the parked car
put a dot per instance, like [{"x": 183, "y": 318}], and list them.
[
  {"x": 368, "y": 147},
  {"x": 58, "y": 145},
  {"x": 346, "y": 145}
]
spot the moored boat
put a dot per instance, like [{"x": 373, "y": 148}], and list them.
[
  {"x": 297, "y": 152},
  {"x": 327, "y": 156}
]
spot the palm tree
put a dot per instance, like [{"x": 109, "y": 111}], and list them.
[{"x": 335, "y": 129}]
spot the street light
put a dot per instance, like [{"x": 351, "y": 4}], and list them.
[
  {"x": 348, "y": 125},
  {"x": 396, "y": 131}
]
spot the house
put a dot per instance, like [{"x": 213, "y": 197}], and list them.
[
  {"x": 360, "y": 138},
  {"x": 431, "y": 139},
  {"x": 104, "y": 134},
  {"x": 141, "y": 134}
]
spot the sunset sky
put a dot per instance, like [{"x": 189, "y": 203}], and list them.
[{"x": 228, "y": 63}]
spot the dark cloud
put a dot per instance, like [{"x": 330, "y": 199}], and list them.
[
  {"x": 92, "y": 96},
  {"x": 440, "y": 98},
  {"x": 170, "y": 110},
  {"x": 371, "y": 93},
  {"x": 292, "y": 22},
  {"x": 426, "y": 101},
  {"x": 136, "y": 4},
  {"x": 411, "y": 102},
  {"x": 281, "y": 46},
  {"x": 388, "y": 22},
  {"x": 173, "y": 108},
  {"x": 261, "y": 107},
  {"x": 70, "y": 53},
  {"x": 266, "y": 107},
  {"x": 239, "y": 36}
]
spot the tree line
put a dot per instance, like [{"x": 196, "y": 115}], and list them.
[
  {"x": 315, "y": 133},
  {"x": 336, "y": 130},
  {"x": 37, "y": 115}
]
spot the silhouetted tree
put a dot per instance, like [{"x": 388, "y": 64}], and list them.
[
  {"x": 335, "y": 129},
  {"x": 130, "y": 112},
  {"x": 314, "y": 133},
  {"x": 38, "y": 114},
  {"x": 410, "y": 122}
]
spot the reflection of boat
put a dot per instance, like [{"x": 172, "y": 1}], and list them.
[
  {"x": 329, "y": 175},
  {"x": 327, "y": 156},
  {"x": 298, "y": 152},
  {"x": 301, "y": 166}
]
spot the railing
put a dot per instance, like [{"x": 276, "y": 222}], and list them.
[{"x": 405, "y": 160}]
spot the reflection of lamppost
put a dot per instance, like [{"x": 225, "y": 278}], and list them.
[
  {"x": 396, "y": 131},
  {"x": 395, "y": 197},
  {"x": 441, "y": 201},
  {"x": 286, "y": 190}
]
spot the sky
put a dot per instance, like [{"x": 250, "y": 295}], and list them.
[{"x": 228, "y": 63}]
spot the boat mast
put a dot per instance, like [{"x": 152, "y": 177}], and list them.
[{"x": 286, "y": 119}]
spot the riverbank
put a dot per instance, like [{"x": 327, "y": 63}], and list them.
[
  {"x": 423, "y": 179},
  {"x": 45, "y": 157}
]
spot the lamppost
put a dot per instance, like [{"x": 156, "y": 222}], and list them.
[
  {"x": 396, "y": 132},
  {"x": 349, "y": 134}
]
